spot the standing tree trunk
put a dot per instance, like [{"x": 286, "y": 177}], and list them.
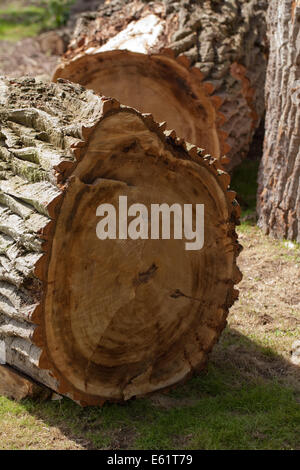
[
  {"x": 278, "y": 200},
  {"x": 104, "y": 320},
  {"x": 199, "y": 66}
]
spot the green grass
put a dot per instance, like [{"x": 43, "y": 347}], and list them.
[
  {"x": 19, "y": 20},
  {"x": 14, "y": 32},
  {"x": 217, "y": 410}
]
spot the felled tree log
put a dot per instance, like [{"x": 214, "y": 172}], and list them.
[
  {"x": 278, "y": 200},
  {"x": 107, "y": 319},
  {"x": 199, "y": 66}
]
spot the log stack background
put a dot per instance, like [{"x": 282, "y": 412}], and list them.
[{"x": 212, "y": 53}]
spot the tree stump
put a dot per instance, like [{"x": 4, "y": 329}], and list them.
[
  {"x": 278, "y": 201},
  {"x": 107, "y": 319},
  {"x": 199, "y": 66}
]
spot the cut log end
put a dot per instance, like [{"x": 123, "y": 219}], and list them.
[
  {"x": 116, "y": 318},
  {"x": 156, "y": 84},
  {"x": 140, "y": 315}
]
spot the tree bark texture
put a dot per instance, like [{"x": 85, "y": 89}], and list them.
[{"x": 278, "y": 201}]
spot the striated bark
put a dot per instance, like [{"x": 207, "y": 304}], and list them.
[
  {"x": 278, "y": 201},
  {"x": 104, "y": 320},
  {"x": 200, "y": 66}
]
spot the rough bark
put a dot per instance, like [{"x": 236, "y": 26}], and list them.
[
  {"x": 105, "y": 320},
  {"x": 278, "y": 202},
  {"x": 200, "y": 66}
]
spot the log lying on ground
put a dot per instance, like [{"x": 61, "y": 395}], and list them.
[
  {"x": 278, "y": 202},
  {"x": 199, "y": 66},
  {"x": 107, "y": 319}
]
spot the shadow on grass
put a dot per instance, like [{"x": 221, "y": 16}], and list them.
[{"x": 247, "y": 399}]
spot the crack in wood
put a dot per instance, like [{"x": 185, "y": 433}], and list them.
[
  {"x": 144, "y": 277},
  {"x": 177, "y": 293}
]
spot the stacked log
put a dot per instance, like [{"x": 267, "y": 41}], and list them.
[
  {"x": 199, "y": 66},
  {"x": 94, "y": 319}
]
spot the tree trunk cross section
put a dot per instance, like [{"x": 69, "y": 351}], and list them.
[{"x": 94, "y": 319}]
